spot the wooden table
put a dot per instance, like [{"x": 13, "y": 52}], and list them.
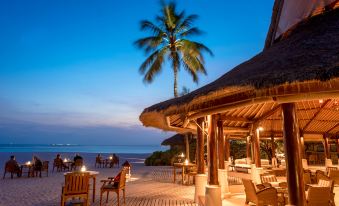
[
  {"x": 182, "y": 166},
  {"x": 68, "y": 164},
  {"x": 93, "y": 175},
  {"x": 30, "y": 172}
]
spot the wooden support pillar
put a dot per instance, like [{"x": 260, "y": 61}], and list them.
[
  {"x": 248, "y": 147},
  {"x": 212, "y": 144},
  {"x": 221, "y": 145},
  {"x": 227, "y": 148},
  {"x": 273, "y": 146},
  {"x": 337, "y": 146},
  {"x": 326, "y": 147},
  {"x": 302, "y": 146},
  {"x": 295, "y": 181},
  {"x": 187, "y": 147},
  {"x": 200, "y": 146},
  {"x": 256, "y": 148}
]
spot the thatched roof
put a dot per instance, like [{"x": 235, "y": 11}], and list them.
[
  {"x": 177, "y": 139},
  {"x": 305, "y": 61}
]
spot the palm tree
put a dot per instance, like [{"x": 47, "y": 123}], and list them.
[{"x": 169, "y": 40}]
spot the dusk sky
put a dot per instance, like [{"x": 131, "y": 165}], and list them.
[{"x": 69, "y": 69}]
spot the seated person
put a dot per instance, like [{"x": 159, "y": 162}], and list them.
[
  {"x": 37, "y": 165},
  {"x": 78, "y": 161},
  {"x": 77, "y": 157},
  {"x": 13, "y": 166},
  {"x": 58, "y": 163},
  {"x": 98, "y": 160}
]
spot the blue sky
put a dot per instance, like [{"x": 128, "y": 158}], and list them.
[{"x": 69, "y": 70}]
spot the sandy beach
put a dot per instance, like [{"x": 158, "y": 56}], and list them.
[{"x": 46, "y": 191}]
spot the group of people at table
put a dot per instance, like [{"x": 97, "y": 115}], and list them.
[
  {"x": 36, "y": 166},
  {"x": 33, "y": 168}
]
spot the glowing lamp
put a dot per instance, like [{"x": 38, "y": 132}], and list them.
[
  {"x": 83, "y": 169},
  {"x": 182, "y": 155},
  {"x": 186, "y": 162},
  {"x": 260, "y": 129},
  {"x": 29, "y": 162},
  {"x": 65, "y": 160},
  {"x": 110, "y": 157}
]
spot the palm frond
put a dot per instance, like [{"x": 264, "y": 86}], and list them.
[
  {"x": 186, "y": 23},
  {"x": 149, "y": 43},
  {"x": 146, "y": 25},
  {"x": 154, "y": 68},
  {"x": 194, "y": 31},
  {"x": 151, "y": 59}
]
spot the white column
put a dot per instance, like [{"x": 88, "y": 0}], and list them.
[
  {"x": 213, "y": 194},
  {"x": 200, "y": 185}
]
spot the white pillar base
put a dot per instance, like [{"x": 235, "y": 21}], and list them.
[
  {"x": 200, "y": 185},
  {"x": 255, "y": 173},
  {"x": 328, "y": 163},
  {"x": 223, "y": 181},
  {"x": 213, "y": 195}
]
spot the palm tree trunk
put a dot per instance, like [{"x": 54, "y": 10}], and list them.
[{"x": 175, "y": 82}]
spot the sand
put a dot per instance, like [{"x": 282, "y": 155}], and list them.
[{"x": 144, "y": 186}]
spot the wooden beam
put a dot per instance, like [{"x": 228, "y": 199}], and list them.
[
  {"x": 200, "y": 146},
  {"x": 332, "y": 128},
  {"x": 248, "y": 146},
  {"x": 295, "y": 181},
  {"x": 326, "y": 147},
  {"x": 236, "y": 119},
  {"x": 227, "y": 148},
  {"x": 316, "y": 114},
  {"x": 273, "y": 146},
  {"x": 187, "y": 147},
  {"x": 277, "y": 8},
  {"x": 212, "y": 144},
  {"x": 221, "y": 145},
  {"x": 266, "y": 115}
]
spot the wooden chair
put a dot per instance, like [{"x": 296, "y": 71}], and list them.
[
  {"x": 191, "y": 172},
  {"x": 328, "y": 169},
  {"x": 260, "y": 197},
  {"x": 114, "y": 185},
  {"x": 76, "y": 185},
  {"x": 12, "y": 169},
  {"x": 77, "y": 164},
  {"x": 99, "y": 162},
  {"x": 45, "y": 166},
  {"x": 57, "y": 163},
  {"x": 318, "y": 196},
  {"x": 267, "y": 179},
  {"x": 334, "y": 175}
]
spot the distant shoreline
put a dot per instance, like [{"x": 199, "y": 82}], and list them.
[{"x": 72, "y": 148}]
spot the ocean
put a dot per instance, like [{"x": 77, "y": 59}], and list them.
[{"x": 68, "y": 148}]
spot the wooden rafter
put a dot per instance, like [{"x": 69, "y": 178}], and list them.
[
  {"x": 267, "y": 114},
  {"x": 236, "y": 119},
  {"x": 332, "y": 128},
  {"x": 316, "y": 114}
]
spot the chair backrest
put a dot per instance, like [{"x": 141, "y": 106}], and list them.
[
  {"x": 98, "y": 159},
  {"x": 45, "y": 165},
  {"x": 76, "y": 182},
  {"x": 10, "y": 167},
  {"x": 334, "y": 175},
  {"x": 268, "y": 178},
  {"x": 122, "y": 181},
  {"x": 318, "y": 196},
  {"x": 307, "y": 177},
  {"x": 250, "y": 189},
  {"x": 328, "y": 169},
  {"x": 79, "y": 162},
  {"x": 57, "y": 162}
]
